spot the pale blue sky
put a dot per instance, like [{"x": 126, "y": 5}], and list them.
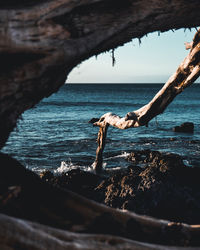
[{"x": 153, "y": 61}]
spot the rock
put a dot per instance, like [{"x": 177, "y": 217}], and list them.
[
  {"x": 186, "y": 127},
  {"x": 165, "y": 188},
  {"x": 46, "y": 175},
  {"x": 76, "y": 180}
]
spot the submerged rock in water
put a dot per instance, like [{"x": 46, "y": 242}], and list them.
[{"x": 186, "y": 127}]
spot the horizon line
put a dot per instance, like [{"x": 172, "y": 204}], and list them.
[{"x": 121, "y": 83}]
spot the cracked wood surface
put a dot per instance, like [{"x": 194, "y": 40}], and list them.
[{"x": 30, "y": 235}]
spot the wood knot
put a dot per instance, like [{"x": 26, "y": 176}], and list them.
[{"x": 131, "y": 116}]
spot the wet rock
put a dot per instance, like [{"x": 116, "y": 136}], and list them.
[
  {"x": 75, "y": 180},
  {"x": 46, "y": 175},
  {"x": 186, "y": 127},
  {"x": 165, "y": 188},
  {"x": 172, "y": 193},
  {"x": 194, "y": 142},
  {"x": 154, "y": 184}
]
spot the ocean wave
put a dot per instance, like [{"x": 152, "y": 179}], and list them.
[
  {"x": 37, "y": 170},
  {"x": 187, "y": 163},
  {"x": 104, "y": 165},
  {"x": 123, "y": 155},
  {"x": 68, "y": 166}
]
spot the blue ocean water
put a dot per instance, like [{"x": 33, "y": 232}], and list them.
[{"x": 56, "y": 134}]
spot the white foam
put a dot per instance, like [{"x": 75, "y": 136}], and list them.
[
  {"x": 123, "y": 155},
  {"x": 114, "y": 168},
  {"x": 104, "y": 164},
  {"x": 93, "y": 165},
  {"x": 187, "y": 163},
  {"x": 68, "y": 166},
  {"x": 37, "y": 170}
]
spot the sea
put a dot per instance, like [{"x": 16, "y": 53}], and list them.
[{"x": 55, "y": 135}]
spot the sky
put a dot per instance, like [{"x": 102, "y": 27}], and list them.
[{"x": 152, "y": 61}]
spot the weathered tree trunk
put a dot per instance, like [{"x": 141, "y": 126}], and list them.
[
  {"x": 33, "y": 236},
  {"x": 185, "y": 75},
  {"x": 41, "y": 41},
  {"x": 29, "y": 235}
]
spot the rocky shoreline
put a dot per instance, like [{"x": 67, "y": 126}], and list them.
[
  {"x": 154, "y": 184},
  {"x": 163, "y": 187}
]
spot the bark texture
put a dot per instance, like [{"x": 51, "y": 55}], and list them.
[
  {"x": 34, "y": 236},
  {"x": 185, "y": 75},
  {"x": 101, "y": 140},
  {"x": 41, "y": 41}
]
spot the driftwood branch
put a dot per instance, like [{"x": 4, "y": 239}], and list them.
[
  {"x": 185, "y": 75},
  {"x": 30, "y": 235},
  {"x": 101, "y": 140}
]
